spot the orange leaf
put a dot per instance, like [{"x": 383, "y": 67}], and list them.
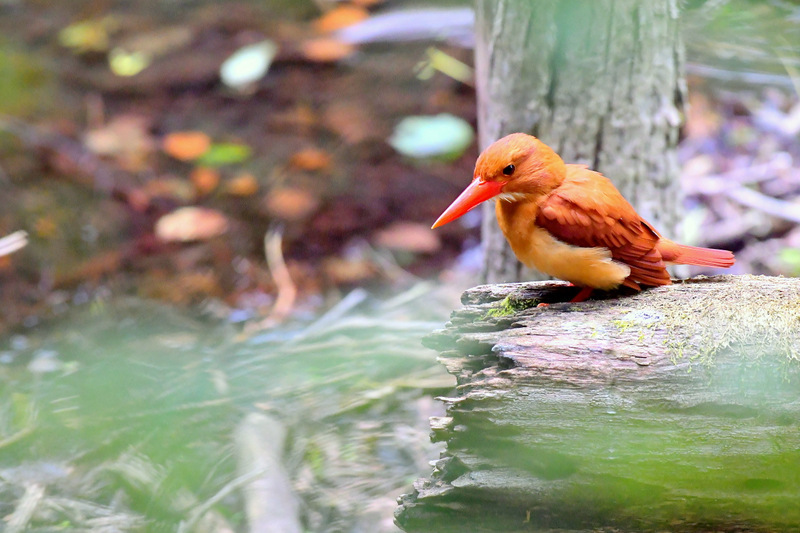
[
  {"x": 311, "y": 159},
  {"x": 340, "y": 17},
  {"x": 290, "y": 203},
  {"x": 186, "y": 145},
  {"x": 408, "y": 237},
  {"x": 205, "y": 179},
  {"x": 242, "y": 185},
  {"x": 325, "y": 50}
]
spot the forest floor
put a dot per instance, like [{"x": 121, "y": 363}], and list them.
[
  {"x": 276, "y": 243},
  {"x": 94, "y": 161}
]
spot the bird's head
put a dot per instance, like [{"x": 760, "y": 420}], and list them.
[{"x": 518, "y": 167}]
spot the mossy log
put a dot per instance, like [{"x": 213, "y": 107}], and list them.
[{"x": 675, "y": 409}]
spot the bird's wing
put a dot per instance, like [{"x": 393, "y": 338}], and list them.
[{"x": 587, "y": 210}]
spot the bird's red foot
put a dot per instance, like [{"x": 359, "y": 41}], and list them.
[{"x": 583, "y": 295}]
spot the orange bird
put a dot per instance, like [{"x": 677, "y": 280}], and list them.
[{"x": 571, "y": 222}]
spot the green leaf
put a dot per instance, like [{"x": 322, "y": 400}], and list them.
[
  {"x": 791, "y": 258},
  {"x": 225, "y": 154}
]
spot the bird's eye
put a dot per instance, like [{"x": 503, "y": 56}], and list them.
[{"x": 509, "y": 170}]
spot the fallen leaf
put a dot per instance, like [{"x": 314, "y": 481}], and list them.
[
  {"x": 88, "y": 35},
  {"x": 300, "y": 117},
  {"x": 186, "y": 145},
  {"x": 204, "y": 179},
  {"x": 191, "y": 224},
  {"x": 45, "y": 227},
  {"x": 248, "y": 64},
  {"x": 170, "y": 187},
  {"x": 350, "y": 121},
  {"x": 290, "y": 203},
  {"x": 126, "y": 63},
  {"x": 443, "y": 135},
  {"x": 326, "y": 50},
  {"x": 225, "y": 154},
  {"x": 125, "y": 138},
  {"x": 340, "y": 17},
  {"x": 438, "y": 61},
  {"x": 409, "y": 237},
  {"x": 312, "y": 159},
  {"x": 242, "y": 185}
]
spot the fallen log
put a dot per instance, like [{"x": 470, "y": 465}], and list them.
[{"x": 676, "y": 409}]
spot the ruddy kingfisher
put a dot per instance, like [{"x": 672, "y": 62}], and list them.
[{"x": 571, "y": 222}]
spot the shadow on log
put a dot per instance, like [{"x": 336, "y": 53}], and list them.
[{"x": 676, "y": 409}]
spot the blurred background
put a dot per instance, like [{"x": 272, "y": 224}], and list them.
[{"x": 216, "y": 220}]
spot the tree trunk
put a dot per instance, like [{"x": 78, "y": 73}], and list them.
[
  {"x": 673, "y": 410},
  {"x": 598, "y": 80}
]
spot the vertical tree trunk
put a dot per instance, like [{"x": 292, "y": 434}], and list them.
[{"x": 598, "y": 80}]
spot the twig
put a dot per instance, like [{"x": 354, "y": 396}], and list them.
[
  {"x": 730, "y": 185},
  {"x": 19, "y": 519},
  {"x": 13, "y": 242},
  {"x": 754, "y": 78},
  {"x": 287, "y": 290},
  {"x": 19, "y": 435},
  {"x": 719, "y": 183},
  {"x": 270, "y": 503},
  {"x": 198, "y": 512},
  {"x": 771, "y": 206}
]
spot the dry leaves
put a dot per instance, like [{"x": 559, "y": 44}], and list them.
[
  {"x": 186, "y": 145},
  {"x": 408, "y": 237},
  {"x": 340, "y": 17},
  {"x": 124, "y": 138},
  {"x": 290, "y": 204},
  {"x": 204, "y": 179},
  {"x": 326, "y": 50},
  {"x": 191, "y": 224},
  {"x": 244, "y": 184},
  {"x": 311, "y": 159},
  {"x": 350, "y": 121}
]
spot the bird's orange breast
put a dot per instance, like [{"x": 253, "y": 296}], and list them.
[{"x": 537, "y": 248}]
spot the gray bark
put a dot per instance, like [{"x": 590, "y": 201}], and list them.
[
  {"x": 673, "y": 410},
  {"x": 598, "y": 80}
]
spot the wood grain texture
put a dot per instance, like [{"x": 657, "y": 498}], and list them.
[{"x": 676, "y": 409}]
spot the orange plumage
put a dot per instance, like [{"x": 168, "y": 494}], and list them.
[{"x": 571, "y": 222}]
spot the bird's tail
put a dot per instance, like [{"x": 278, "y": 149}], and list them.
[{"x": 682, "y": 254}]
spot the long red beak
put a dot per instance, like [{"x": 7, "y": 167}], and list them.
[{"x": 478, "y": 191}]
